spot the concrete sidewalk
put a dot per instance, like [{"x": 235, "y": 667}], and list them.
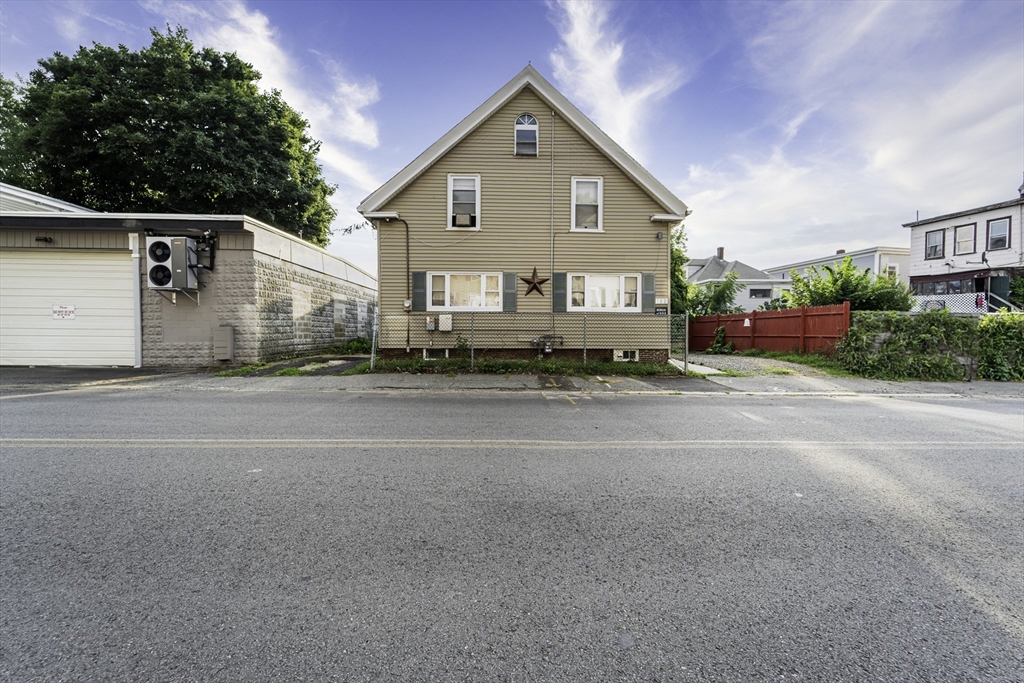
[{"x": 14, "y": 381}]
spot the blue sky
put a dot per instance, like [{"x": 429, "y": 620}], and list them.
[{"x": 792, "y": 129}]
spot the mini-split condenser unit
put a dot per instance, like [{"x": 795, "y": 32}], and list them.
[{"x": 171, "y": 263}]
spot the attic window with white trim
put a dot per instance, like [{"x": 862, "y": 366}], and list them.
[{"x": 526, "y": 136}]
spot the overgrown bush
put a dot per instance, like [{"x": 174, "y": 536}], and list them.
[
  {"x": 719, "y": 345},
  {"x": 356, "y": 345},
  {"x": 934, "y": 345},
  {"x": 1001, "y": 347},
  {"x": 713, "y": 297},
  {"x": 1017, "y": 292},
  {"x": 847, "y": 282}
]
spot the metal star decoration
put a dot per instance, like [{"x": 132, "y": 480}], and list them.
[{"x": 535, "y": 283}]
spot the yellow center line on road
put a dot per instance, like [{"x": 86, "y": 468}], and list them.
[{"x": 498, "y": 444}]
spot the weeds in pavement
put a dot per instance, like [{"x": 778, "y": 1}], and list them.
[
  {"x": 818, "y": 361},
  {"x": 238, "y": 372}
]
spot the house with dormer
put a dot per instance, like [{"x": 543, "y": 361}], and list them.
[{"x": 524, "y": 230}]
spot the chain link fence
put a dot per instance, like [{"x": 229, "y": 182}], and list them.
[{"x": 592, "y": 336}]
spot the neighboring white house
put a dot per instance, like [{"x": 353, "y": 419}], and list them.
[
  {"x": 879, "y": 260},
  {"x": 964, "y": 261},
  {"x": 759, "y": 286}
]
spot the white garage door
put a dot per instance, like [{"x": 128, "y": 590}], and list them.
[{"x": 66, "y": 308}]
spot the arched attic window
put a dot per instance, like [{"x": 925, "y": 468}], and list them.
[{"x": 526, "y": 136}]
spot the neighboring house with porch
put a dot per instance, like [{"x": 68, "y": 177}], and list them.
[
  {"x": 964, "y": 261},
  {"x": 759, "y": 287},
  {"x": 524, "y": 230},
  {"x": 890, "y": 261}
]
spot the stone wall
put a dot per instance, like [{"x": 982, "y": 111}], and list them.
[{"x": 277, "y": 309}]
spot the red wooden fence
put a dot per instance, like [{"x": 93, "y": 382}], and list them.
[{"x": 797, "y": 329}]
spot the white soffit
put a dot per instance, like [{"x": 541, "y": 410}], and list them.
[{"x": 527, "y": 77}]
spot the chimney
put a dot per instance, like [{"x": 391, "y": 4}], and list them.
[
  {"x": 840, "y": 251},
  {"x": 1021, "y": 190},
  {"x": 721, "y": 253}
]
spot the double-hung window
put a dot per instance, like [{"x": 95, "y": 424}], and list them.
[
  {"x": 999, "y": 234},
  {"x": 464, "y": 291},
  {"x": 463, "y": 202},
  {"x": 963, "y": 239},
  {"x": 526, "y": 136},
  {"x": 604, "y": 292},
  {"x": 934, "y": 244},
  {"x": 587, "y": 200}
]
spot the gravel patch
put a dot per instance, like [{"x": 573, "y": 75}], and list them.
[{"x": 752, "y": 365}]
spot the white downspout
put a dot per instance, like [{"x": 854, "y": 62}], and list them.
[{"x": 133, "y": 243}]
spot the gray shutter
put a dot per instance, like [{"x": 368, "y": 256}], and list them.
[
  {"x": 508, "y": 292},
  {"x": 419, "y": 290},
  {"x": 558, "y": 299},
  {"x": 647, "y": 299}
]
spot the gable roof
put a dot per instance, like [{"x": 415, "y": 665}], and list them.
[
  {"x": 547, "y": 92},
  {"x": 715, "y": 268},
  {"x": 968, "y": 212},
  {"x": 16, "y": 199}
]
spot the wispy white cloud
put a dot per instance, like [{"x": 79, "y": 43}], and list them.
[
  {"x": 872, "y": 117},
  {"x": 337, "y": 115},
  {"x": 588, "y": 66}
]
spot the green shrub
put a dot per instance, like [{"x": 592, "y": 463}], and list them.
[
  {"x": 358, "y": 345},
  {"x": 847, "y": 282},
  {"x": 719, "y": 345},
  {"x": 1001, "y": 347},
  {"x": 934, "y": 345}
]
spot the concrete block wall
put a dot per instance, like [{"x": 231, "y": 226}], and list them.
[{"x": 277, "y": 308}]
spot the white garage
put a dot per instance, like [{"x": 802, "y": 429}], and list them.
[{"x": 66, "y": 307}]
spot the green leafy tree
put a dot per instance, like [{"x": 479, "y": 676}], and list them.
[
  {"x": 677, "y": 264},
  {"x": 714, "y": 297},
  {"x": 14, "y": 163},
  {"x": 170, "y": 128},
  {"x": 846, "y": 282}
]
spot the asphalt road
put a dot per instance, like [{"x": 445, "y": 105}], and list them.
[{"x": 182, "y": 531}]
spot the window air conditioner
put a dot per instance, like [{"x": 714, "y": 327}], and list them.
[{"x": 463, "y": 220}]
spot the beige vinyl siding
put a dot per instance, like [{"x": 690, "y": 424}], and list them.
[
  {"x": 63, "y": 239},
  {"x": 515, "y": 212}
]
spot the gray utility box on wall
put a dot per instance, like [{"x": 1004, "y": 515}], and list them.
[{"x": 224, "y": 343}]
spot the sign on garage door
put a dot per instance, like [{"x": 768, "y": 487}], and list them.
[{"x": 66, "y": 308}]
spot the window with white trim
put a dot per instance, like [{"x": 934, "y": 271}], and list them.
[
  {"x": 463, "y": 202},
  {"x": 464, "y": 291},
  {"x": 963, "y": 239},
  {"x": 589, "y": 292},
  {"x": 760, "y": 294},
  {"x": 934, "y": 244},
  {"x": 587, "y": 195},
  {"x": 999, "y": 234},
  {"x": 526, "y": 131}
]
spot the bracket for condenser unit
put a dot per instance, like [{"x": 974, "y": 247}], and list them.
[{"x": 173, "y": 298}]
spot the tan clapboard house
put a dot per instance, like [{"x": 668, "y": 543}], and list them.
[{"x": 525, "y": 189}]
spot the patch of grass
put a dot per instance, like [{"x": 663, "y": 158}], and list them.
[
  {"x": 357, "y": 346},
  {"x": 733, "y": 373},
  {"x": 239, "y": 372},
  {"x": 452, "y": 366},
  {"x": 290, "y": 372},
  {"x": 781, "y": 371},
  {"x": 818, "y": 361},
  {"x": 361, "y": 369}
]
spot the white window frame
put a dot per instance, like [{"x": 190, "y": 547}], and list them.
[
  {"x": 600, "y": 205},
  {"x": 448, "y": 216},
  {"x": 974, "y": 239},
  {"x": 447, "y": 289},
  {"x": 535, "y": 127},
  {"x": 622, "y": 292},
  {"x": 760, "y": 289}
]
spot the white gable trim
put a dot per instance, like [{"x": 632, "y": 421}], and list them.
[
  {"x": 527, "y": 77},
  {"x": 15, "y": 199}
]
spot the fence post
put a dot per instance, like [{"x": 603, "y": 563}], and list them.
[
  {"x": 753, "y": 325},
  {"x": 686, "y": 344},
  {"x": 803, "y": 328},
  {"x": 472, "y": 341},
  {"x": 846, "y": 318},
  {"x": 584, "y": 339}
]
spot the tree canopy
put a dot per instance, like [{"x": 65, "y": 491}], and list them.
[
  {"x": 714, "y": 297},
  {"x": 847, "y": 282},
  {"x": 170, "y": 128}
]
